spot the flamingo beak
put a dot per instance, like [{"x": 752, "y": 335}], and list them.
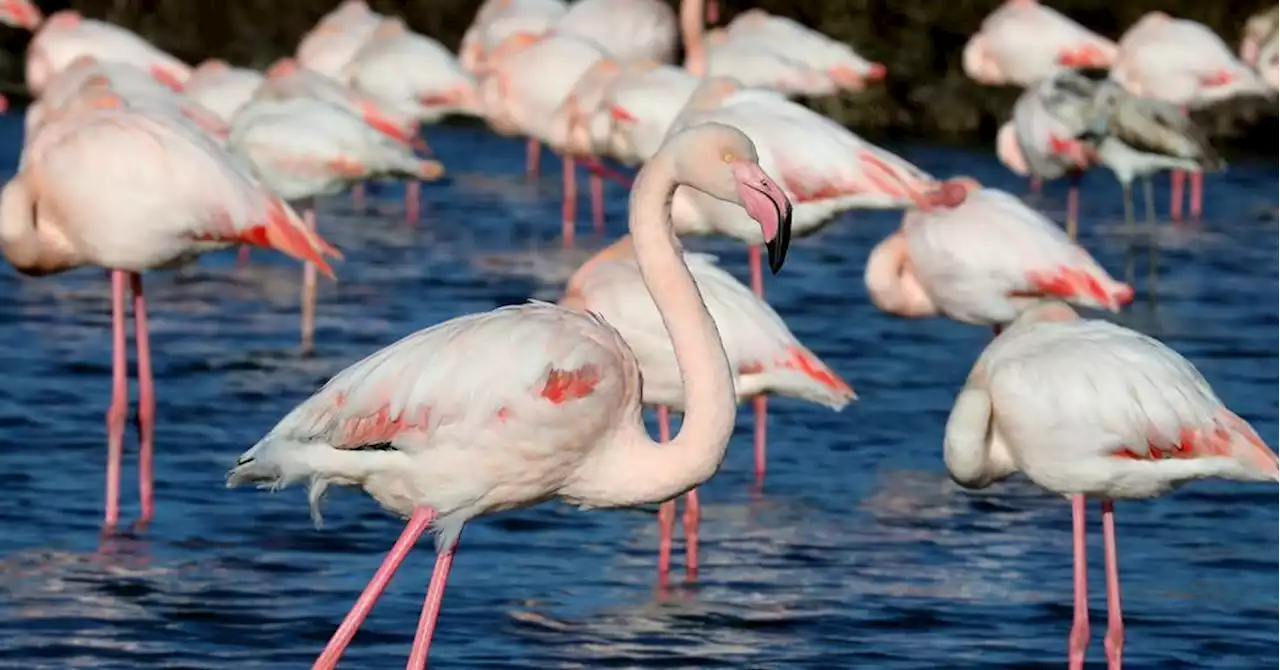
[{"x": 765, "y": 202}]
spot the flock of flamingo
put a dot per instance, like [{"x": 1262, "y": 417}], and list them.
[{"x": 188, "y": 161}]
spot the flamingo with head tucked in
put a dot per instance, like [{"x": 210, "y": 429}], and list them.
[
  {"x": 1090, "y": 409},
  {"x": 1023, "y": 42}
]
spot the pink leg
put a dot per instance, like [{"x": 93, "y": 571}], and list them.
[
  {"x": 146, "y": 402},
  {"x": 1179, "y": 179},
  {"x": 309, "y": 290},
  {"x": 1079, "y": 640},
  {"x": 713, "y": 11},
  {"x": 759, "y": 403},
  {"x": 342, "y": 637},
  {"x": 1114, "y": 642},
  {"x": 412, "y": 201},
  {"x": 570, "y": 211},
  {"x": 692, "y": 514},
  {"x": 119, "y": 408},
  {"x": 357, "y": 197},
  {"x": 431, "y": 609},
  {"x": 597, "y": 203},
  {"x": 1197, "y": 195},
  {"x": 242, "y": 259},
  {"x": 667, "y": 510},
  {"x": 1037, "y": 184},
  {"x": 533, "y": 156}
]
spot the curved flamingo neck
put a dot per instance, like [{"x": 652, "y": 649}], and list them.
[
  {"x": 32, "y": 248},
  {"x": 691, "y": 28},
  {"x": 891, "y": 282},
  {"x": 634, "y": 469}
]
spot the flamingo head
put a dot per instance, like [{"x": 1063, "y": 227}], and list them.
[
  {"x": 21, "y": 14},
  {"x": 282, "y": 68},
  {"x": 951, "y": 193},
  {"x": 722, "y": 162}
]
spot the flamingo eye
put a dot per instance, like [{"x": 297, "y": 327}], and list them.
[{"x": 729, "y": 157}]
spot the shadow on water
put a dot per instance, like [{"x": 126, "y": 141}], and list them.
[{"x": 859, "y": 553}]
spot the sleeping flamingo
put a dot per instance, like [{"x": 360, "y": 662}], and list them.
[
  {"x": 221, "y": 88},
  {"x": 414, "y": 74},
  {"x": 161, "y": 193},
  {"x": 439, "y": 436},
  {"x": 304, "y": 149},
  {"x": 66, "y": 35},
  {"x": 982, "y": 256},
  {"x": 1023, "y": 42},
  {"x": 337, "y": 37},
  {"x": 763, "y": 354},
  {"x": 1091, "y": 409},
  {"x": 843, "y": 68},
  {"x": 1184, "y": 63}
]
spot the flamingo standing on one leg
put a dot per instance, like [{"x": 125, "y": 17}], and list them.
[
  {"x": 554, "y": 411},
  {"x": 981, "y": 256},
  {"x": 161, "y": 193},
  {"x": 304, "y": 149},
  {"x": 1090, "y": 409},
  {"x": 765, "y": 357}
]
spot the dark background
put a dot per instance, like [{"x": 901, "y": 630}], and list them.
[{"x": 926, "y": 95}]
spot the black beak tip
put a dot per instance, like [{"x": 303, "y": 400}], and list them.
[{"x": 777, "y": 247}]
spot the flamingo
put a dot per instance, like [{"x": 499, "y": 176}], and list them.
[
  {"x": 1184, "y": 63},
  {"x": 1087, "y": 408},
  {"x": 328, "y": 47},
  {"x": 287, "y": 80},
  {"x": 161, "y": 193},
  {"x": 843, "y": 67},
  {"x": 414, "y": 74},
  {"x": 221, "y": 88},
  {"x": 626, "y": 29},
  {"x": 304, "y": 149},
  {"x": 498, "y": 20},
  {"x": 981, "y": 257},
  {"x": 1023, "y": 42},
  {"x": 1139, "y": 136},
  {"x": 436, "y": 438},
  {"x": 66, "y": 35},
  {"x": 1041, "y": 139},
  {"x": 763, "y": 354}
]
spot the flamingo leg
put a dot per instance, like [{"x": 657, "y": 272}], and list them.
[
  {"x": 1153, "y": 250},
  {"x": 532, "y": 156},
  {"x": 1073, "y": 208},
  {"x": 1179, "y": 178},
  {"x": 1037, "y": 184},
  {"x": 1129, "y": 224},
  {"x": 119, "y": 407},
  {"x": 146, "y": 403},
  {"x": 431, "y": 609},
  {"x": 309, "y": 289},
  {"x": 1197, "y": 195},
  {"x": 1079, "y": 640},
  {"x": 412, "y": 201},
  {"x": 357, "y": 197},
  {"x": 667, "y": 510},
  {"x": 713, "y": 12},
  {"x": 759, "y": 403},
  {"x": 570, "y": 211},
  {"x": 243, "y": 258},
  {"x": 692, "y": 515},
  {"x": 1114, "y": 642},
  {"x": 413, "y": 530},
  {"x": 597, "y": 203}
]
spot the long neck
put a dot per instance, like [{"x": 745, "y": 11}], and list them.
[
  {"x": 18, "y": 236},
  {"x": 691, "y": 27},
  {"x": 634, "y": 469}
]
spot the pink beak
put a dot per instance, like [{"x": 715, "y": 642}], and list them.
[{"x": 765, "y": 202}]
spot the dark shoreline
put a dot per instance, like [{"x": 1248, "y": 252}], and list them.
[{"x": 926, "y": 97}]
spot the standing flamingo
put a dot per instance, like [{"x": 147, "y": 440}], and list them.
[
  {"x": 763, "y": 354},
  {"x": 415, "y": 74},
  {"x": 981, "y": 257},
  {"x": 1184, "y": 63},
  {"x": 304, "y": 149},
  {"x": 1087, "y": 408},
  {"x": 1023, "y": 42},
  {"x": 1041, "y": 139},
  {"x": 66, "y": 35},
  {"x": 439, "y": 436},
  {"x": 328, "y": 47},
  {"x": 844, "y": 68},
  {"x": 221, "y": 88},
  {"x": 161, "y": 193}
]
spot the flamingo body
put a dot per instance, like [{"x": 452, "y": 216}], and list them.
[
  {"x": 1023, "y": 42},
  {"x": 66, "y": 36}
]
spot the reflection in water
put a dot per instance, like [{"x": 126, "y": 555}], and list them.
[{"x": 860, "y": 552}]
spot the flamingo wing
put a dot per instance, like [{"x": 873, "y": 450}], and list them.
[
  {"x": 1094, "y": 389},
  {"x": 974, "y": 258}
]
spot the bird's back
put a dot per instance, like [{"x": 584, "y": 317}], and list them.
[
  {"x": 1091, "y": 407},
  {"x": 627, "y": 29}
]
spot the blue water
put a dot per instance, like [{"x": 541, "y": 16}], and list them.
[{"x": 860, "y": 552}]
